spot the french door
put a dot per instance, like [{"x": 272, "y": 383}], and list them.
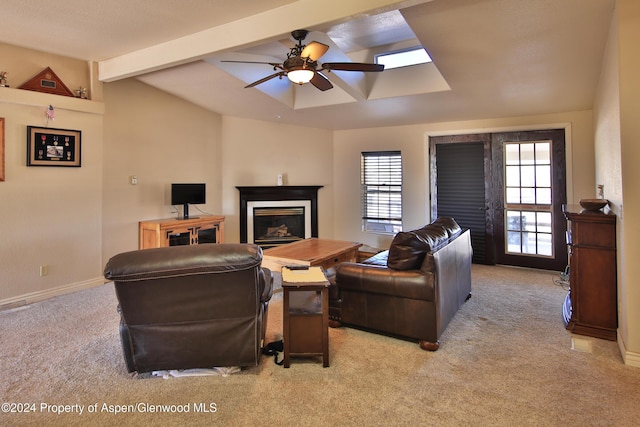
[
  {"x": 529, "y": 227},
  {"x": 515, "y": 214}
]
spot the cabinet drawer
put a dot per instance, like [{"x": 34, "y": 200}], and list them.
[
  {"x": 593, "y": 234},
  {"x": 333, "y": 261}
]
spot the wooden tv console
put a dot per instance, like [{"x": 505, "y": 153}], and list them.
[{"x": 157, "y": 233}]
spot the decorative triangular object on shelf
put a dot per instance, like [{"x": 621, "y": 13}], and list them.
[{"x": 48, "y": 82}]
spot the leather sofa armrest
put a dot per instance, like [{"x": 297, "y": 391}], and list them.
[
  {"x": 266, "y": 283},
  {"x": 413, "y": 284}
]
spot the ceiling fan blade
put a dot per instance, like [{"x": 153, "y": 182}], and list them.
[
  {"x": 273, "y": 64},
  {"x": 352, "y": 66},
  {"x": 314, "y": 50},
  {"x": 272, "y": 76},
  {"x": 321, "y": 82}
]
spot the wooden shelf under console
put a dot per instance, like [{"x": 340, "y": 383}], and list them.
[{"x": 164, "y": 232}]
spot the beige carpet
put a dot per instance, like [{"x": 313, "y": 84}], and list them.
[{"x": 505, "y": 360}]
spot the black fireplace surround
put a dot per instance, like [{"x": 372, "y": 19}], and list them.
[{"x": 277, "y": 193}]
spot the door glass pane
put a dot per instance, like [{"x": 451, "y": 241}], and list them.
[
  {"x": 543, "y": 196},
  {"x": 529, "y": 243},
  {"x": 527, "y": 156},
  {"x": 543, "y": 155},
  {"x": 544, "y": 244},
  {"x": 529, "y": 221},
  {"x": 543, "y": 176},
  {"x": 512, "y": 154},
  {"x": 513, "y": 176},
  {"x": 513, "y": 241},
  {"x": 544, "y": 222},
  {"x": 528, "y": 225},
  {"x": 514, "y": 221},
  {"x": 528, "y": 176},
  {"x": 513, "y": 195},
  {"x": 528, "y": 195}
]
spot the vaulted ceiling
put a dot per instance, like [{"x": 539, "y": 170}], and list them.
[{"x": 492, "y": 58}]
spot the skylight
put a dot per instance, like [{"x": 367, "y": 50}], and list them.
[{"x": 403, "y": 58}]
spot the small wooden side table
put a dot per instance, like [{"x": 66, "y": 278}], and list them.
[{"x": 306, "y": 315}]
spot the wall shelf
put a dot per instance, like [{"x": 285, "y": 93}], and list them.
[{"x": 10, "y": 95}]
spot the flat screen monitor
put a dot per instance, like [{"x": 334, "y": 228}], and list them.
[{"x": 188, "y": 194}]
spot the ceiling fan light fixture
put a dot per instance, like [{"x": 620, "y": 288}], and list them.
[
  {"x": 300, "y": 75},
  {"x": 301, "y": 65}
]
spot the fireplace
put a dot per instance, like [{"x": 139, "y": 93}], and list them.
[
  {"x": 273, "y": 223},
  {"x": 273, "y": 216}
]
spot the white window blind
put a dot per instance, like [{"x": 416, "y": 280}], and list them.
[{"x": 381, "y": 179}]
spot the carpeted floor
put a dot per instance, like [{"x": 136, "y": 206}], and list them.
[{"x": 505, "y": 360}]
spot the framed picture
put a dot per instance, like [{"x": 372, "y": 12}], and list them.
[
  {"x": 53, "y": 147},
  {"x": 1, "y": 149}
]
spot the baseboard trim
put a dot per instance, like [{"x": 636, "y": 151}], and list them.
[
  {"x": 628, "y": 357},
  {"x": 32, "y": 297}
]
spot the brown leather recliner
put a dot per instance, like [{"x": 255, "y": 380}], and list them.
[
  {"x": 184, "y": 307},
  {"x": 412, "y": 290}
]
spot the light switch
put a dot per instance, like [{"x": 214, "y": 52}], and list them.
[{"x": 134, "y": 180}]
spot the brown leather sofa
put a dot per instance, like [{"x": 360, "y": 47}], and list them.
[
  {"x": 412, "y": 290},
  {"x": 184, "y": 307}
]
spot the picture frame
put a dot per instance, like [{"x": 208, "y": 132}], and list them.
[
  {"x": 1, "y": 149},
  {"x": 53, "y": 147}
]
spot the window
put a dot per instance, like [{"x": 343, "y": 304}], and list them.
[
  {"x": 381, "y": 179},
  {"x": 403, "y": 58}
]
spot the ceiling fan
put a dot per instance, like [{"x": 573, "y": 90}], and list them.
[{"x": 301, "y": 65}]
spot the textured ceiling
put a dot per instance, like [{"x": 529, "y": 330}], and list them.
[{"x": 493, "y": 58}]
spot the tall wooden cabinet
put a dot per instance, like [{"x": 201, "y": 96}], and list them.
[
  {"x": 591, "y": 306},
  {"x": 158, "y": 233}
]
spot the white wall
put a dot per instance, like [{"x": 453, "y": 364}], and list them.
[
  {"x": 628, "y": 20},
  {"x": 255, "y": 152},
  {"x": 608, "y": 154},
  {"x": 413, "y": 142},
  {"x": 160, "y": 139},
  {"x": 50, "y": 216},
  {"x": 617, "y": 131}
]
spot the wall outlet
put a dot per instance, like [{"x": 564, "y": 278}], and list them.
[{"x": 44, "y": 270}]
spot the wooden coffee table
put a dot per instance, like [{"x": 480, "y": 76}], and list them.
[{"x": 325, "y": 253}]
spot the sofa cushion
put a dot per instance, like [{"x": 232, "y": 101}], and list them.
[
  {"x": 408, "y": 248},
  {"x": 435, "y": 234},
  {"x": 378, "y": 259},
  {"x": 449, "y": 224},
  {"x": 405, "y": 251}
]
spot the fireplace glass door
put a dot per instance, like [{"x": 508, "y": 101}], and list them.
[{"x": 273, "y": 226}]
